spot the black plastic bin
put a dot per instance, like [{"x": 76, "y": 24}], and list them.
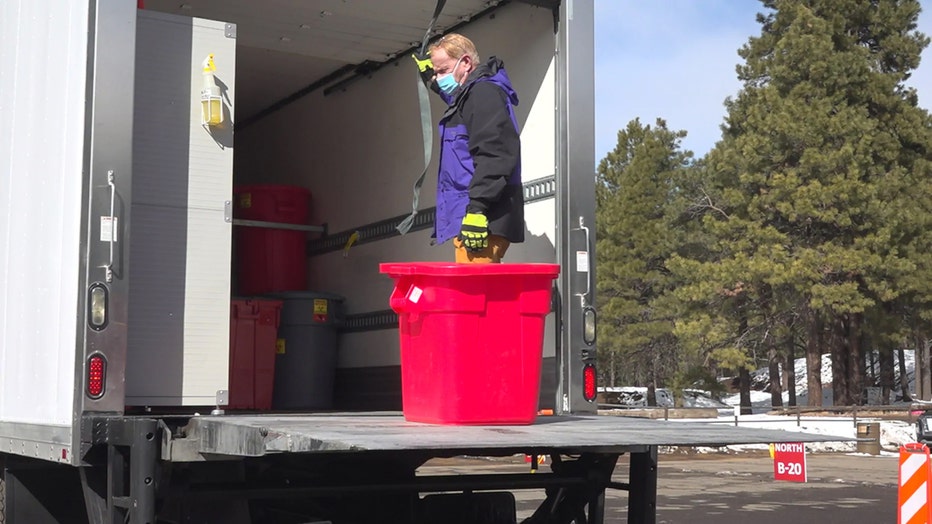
[{"x": 306, "y": 356}]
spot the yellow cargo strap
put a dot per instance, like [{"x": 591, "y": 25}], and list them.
[{"x": 349, "y": 243}]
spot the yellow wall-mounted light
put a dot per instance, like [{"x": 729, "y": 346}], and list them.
[{"x": 211, "y": 102}]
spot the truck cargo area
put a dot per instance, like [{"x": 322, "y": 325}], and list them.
[{"x": 322, "y": 97}]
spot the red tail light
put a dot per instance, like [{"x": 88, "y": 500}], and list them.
[
  {"x": 96, "y": 376},
  {"x": 589, "y": 384}
]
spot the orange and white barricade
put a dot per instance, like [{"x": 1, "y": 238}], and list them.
[{"x": 915, "y": 489}]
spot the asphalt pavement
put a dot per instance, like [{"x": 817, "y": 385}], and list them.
[
  {"x": 850, "y": 489},
  {"x": 717, "y": 488}
]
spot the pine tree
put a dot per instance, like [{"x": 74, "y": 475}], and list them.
[
  {"x": 821, "y": 182},
  {"x": 636, "y": 184},
  {"x": 732, "y": 308}
]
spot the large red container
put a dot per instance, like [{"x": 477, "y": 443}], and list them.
[
  {"x": 471, "y": 340},
  {"x": 253, "y": 335},
  {"x": 271, "y": 260}
]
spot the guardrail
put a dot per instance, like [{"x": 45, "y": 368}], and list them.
[
  {"x": 902, "y": 412},
  {"x": 843, "y": 413}
]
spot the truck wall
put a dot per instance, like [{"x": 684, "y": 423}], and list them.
[
  {"x": 43, "y": 61},
  {"x": 360, "y": 150}
]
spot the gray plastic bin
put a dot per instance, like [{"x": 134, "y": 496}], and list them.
[{"x": 306, "y": 358}]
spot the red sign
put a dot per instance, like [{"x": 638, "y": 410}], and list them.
[{"x": 789, "y": 461}]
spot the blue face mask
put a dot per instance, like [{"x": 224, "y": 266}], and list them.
[{"x": 446, "y": 82}]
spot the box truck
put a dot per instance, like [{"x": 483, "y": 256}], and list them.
[{"x": 127, "y": 134}]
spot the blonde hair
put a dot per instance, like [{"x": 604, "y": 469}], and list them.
[{"x": 457, "y": 45}]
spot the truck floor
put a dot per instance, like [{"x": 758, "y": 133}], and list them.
[{"x": 259, "y": 435}]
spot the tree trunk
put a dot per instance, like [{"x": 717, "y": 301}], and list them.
[
  {"x": 856, "y": 391},
  {"x": 776, "y": 385},
  {"x": 886, "y": 374},
  {"x": 921, "y": 368},
  {"x": 714, "y": 372},
  {"x": 744, "y": 383},
  {"x": 867, "y": 365},
  {"x": 839, "y": 354},
  {"x": 612, "y": 379},
  {"x": 744, "y": 376},
  {"x": 789, "y": 371},
  {"x": 904, "y": 380},
  {"x": 814, "y": 361},
  {"x": 652, "y": 394}
]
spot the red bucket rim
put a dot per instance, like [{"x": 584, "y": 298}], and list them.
[{"x": 270, "y": 187}]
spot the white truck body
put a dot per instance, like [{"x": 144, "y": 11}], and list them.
[{"x": 42, "y": 146}]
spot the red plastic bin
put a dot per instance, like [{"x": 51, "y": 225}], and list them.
[
  {"x": 253, "y": 335},
  {"x": 271, "y": 260},
  {"x": 471, "y": 340}
]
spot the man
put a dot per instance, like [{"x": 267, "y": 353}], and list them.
[{"x": 480, "y": 199}]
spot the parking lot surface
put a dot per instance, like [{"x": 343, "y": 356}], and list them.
[{"x": 715, "y": 488}]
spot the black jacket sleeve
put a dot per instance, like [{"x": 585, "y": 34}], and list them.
[{"x": 493, "y": 143}]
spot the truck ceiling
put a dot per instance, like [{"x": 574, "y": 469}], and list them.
[{"x": 283, "y": 46}]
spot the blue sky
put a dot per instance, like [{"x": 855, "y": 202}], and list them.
[{"x": 676, "y": 59}]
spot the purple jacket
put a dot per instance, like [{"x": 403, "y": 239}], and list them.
[{"x": 480, "y": 156}]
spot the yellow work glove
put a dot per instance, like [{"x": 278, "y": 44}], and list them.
[
  {"x": 474, "y": 232},
  {"x": 423, "y": 62}
]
